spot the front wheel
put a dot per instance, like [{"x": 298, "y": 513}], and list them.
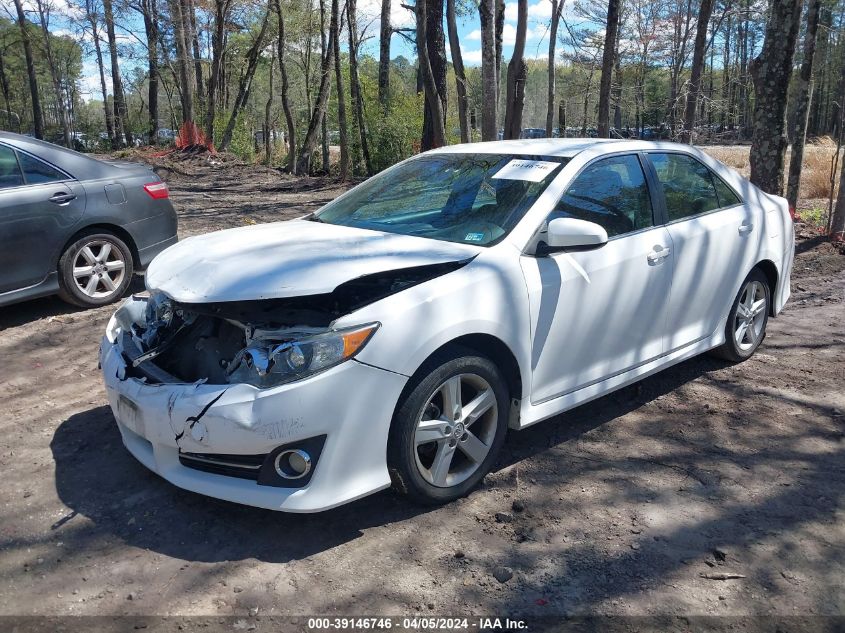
[
  {"x": 95, "y": 270},
  {"x": 746, "y": 327},
  {"x": 448, "y": 429}
]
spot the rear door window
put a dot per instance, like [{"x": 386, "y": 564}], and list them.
[
  {"x": 37, "y": 171},
  {"x": 687, "y": 185},
  {"x": 10, "y": 171}
]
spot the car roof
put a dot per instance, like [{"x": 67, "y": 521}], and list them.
[
  {"x": 563, "y": 147},
  {"x": 77, "y": 165}
]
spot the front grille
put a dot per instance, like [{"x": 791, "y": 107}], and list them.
[{"x": 243, "y": 466}]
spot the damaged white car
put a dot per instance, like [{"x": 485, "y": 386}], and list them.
[{"x": 394, "y": 335}]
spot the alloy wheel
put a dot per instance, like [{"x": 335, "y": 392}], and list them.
[
  {"x": 455, "y": 430},
  {"x": 750, "y": 316},
  {"x": 99, "y": 268}
]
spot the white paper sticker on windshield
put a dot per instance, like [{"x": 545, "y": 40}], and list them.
[{"x": 530, "y": 170}]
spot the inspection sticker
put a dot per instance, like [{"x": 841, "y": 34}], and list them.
[{"x": 530, "y": 170}]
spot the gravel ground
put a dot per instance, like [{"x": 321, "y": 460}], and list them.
[{"x": 635, "y": 504}]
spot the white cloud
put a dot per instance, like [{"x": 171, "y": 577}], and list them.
[
  {"x": 540, "y": 10},
  {"x": 471, "y": 58},
  {"x": 474, "y": 36},
  {"x": 400, "y": 17}
]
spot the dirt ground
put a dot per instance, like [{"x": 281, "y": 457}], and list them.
[{"x": 623, "y": 506}]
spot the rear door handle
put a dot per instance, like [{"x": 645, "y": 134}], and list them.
[
  {"x": 62, "y": 197},
  {"x": 745, "y": 228},
  {"x": 659, "y": 253}
]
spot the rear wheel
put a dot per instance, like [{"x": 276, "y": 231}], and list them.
[
  {"x": 95, "y": 270},
  {"x": 746, "y": 326},
  {"x": 448, "y": 429}
]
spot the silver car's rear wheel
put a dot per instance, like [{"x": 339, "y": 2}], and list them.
[
  {"x": 96, "y": 269},
  {"x": 455, "y": 430},
  {"x": 99, "y": 269}
]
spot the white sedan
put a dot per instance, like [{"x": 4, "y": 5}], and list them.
[{"x": 393, "y": 336}]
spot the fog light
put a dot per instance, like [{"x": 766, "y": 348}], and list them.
[{"x": 293, "y": 464}]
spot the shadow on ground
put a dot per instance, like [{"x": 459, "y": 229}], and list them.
[{"x": 97, "y": 478}]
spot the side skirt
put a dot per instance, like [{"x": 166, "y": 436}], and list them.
[
  {"x": 49, "y": 286},
  {"x": 533, "y": 413}
]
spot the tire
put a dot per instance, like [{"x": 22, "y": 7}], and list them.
[
  {"x": 470, "y": 443},
  {"x": 95, "y": 270},
  {"x": 736, "y": 347}
]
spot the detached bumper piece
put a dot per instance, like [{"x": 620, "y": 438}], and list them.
[{"x": 287, "y": 466}]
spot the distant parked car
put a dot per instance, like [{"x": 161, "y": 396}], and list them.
[
  {"x": 533, "y": 132},
  {"x": 75, "y": 226}
]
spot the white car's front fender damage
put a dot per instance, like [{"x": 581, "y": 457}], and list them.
[{"x": 349, "y": 406}]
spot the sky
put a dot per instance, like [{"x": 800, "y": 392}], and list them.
[{"x": 66, "y": 14}]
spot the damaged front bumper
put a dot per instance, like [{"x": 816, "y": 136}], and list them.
[{"x": 206, "y": 438}]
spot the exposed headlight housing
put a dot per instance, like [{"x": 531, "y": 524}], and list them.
[{"x": 267, "y": 363}]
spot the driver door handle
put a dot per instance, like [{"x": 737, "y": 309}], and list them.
[
  {"x": 62, "y": 197},
  {"x": 745, "y": 228},
  {"x": 658, "y": 254}
]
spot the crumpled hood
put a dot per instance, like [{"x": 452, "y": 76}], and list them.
[{"x": 287, "y": 259}]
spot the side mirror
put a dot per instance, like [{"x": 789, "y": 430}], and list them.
[{"x": 572, "y": 233}]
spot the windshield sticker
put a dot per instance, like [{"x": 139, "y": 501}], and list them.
[
  {"x": 530, "y": 170},
  {"x": 474, "y": 237}
]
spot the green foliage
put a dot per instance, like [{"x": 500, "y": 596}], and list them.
[
  {"x": 242, "y": 144},
  {"x": 395, "y": 136},
  {"x": 816, "y": 216}
]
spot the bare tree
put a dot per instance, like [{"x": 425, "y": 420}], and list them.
[
  {"x": 802, "y": 106},
  {"x": 4, "y": 85},
  {"x": 121, "y": 113},
  {"x": 289, "y": 122},
  {"x": 385, "y": 33},
  {"x": 557, "y": 8},
  {"x": 268, "y": 107},
  {"x": 458, "y": 65},
  {"x": 245, "y": 82},
  {"x": 435, "y": 51},
  {"x": 181, "y": 34},
  {"x": 771, "y": 72},
  {"x": 37, "y": 114},
  {"x": 435, "y": 135},
  {"x": 43, "y": 7},
  {"x": 517, "y": 70},
  {"x": 94, "y": 22},
  {"x": 319, "y": 111},
  {"x": 341, "y": 104},
  {"x": 705, "y": 10},
  {"x": 837, "y": 220},
  {"x": 489, "y": 71},
  {"x": 355, "y": 85},
  {"x": 607, "y": 67},
  {"x": 324, "y": 126},
  {"x": 221, "y": 14}
]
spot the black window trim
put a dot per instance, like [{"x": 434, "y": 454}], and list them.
[
  {"x": 20, "y": 169},
  {"x": 651, "y": 183},
  {"x": 16, "y": 152},
  {"x": 659, "y": 188}
]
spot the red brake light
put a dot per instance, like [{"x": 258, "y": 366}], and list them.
[{"x": 157, "y": 190}]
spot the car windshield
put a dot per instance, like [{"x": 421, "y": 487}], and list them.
[{"x": 466, "y": 198}]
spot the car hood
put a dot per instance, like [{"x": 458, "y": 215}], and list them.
[{"x": 287, "y": 259}]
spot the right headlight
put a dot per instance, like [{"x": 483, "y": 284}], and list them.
[{"x": 270, "y": 363}]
